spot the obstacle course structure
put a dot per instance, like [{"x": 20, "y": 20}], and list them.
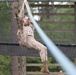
[{"x": 13, "y": 48}]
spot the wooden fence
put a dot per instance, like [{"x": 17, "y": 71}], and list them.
[{"x": 38, "y": 65}]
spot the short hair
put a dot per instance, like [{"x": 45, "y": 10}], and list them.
[{"x": 26, "y": 17}]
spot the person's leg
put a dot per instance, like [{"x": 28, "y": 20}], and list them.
[
  {"x": 43, "y": 53},
  {"x": 44, "y": 58}
]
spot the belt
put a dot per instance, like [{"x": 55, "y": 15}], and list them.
[{"x": 29, "y": 35}]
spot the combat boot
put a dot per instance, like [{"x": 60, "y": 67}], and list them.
[{"x": 45, "y": 68}]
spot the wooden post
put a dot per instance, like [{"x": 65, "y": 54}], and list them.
[
  {"x": 75, "y": 21},
  {"x": 75, "y": 26},
  {"x": 22, "y": 65},
  {"x": 22, "y": 58},
  {"x": 14, "y": 65},
  {"x": 14, "y": 40}
]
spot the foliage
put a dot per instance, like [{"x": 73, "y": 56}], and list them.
[
  {"x": 5, "y": 65},
  {"x": 5, "y": 61},
  {"x": 4, "y": 21}
]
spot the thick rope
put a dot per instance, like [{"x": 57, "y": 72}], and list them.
[{"x": 64, "y": 62}]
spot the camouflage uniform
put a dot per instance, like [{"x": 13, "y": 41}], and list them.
[
  {"x": 30, "y": 42},
  {"x": 26, "y": 38}
]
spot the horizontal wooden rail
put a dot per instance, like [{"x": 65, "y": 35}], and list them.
[
  {"x": 56, "y": 6},
  {"x": 54, "y": 14},
  {"x": 70, "y": 40},
  {"x": 9, "y": 0},
  {"x": 54, "y": 22},
  {"x": 45, "y": 0},
  {"x": 59, "y": 31},
  {"x": 36, "y": 64},
  {"x": 53, "y": 0},
  {"x": 62, "y": 39},
  {"x": 39, "y": 73}
]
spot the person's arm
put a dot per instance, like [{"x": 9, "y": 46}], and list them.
[
  {"x": 21, "y": 14},
  {"x": 19, "y": 17}
]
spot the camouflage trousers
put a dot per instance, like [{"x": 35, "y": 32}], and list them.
[{"x": 32, "y": 43}]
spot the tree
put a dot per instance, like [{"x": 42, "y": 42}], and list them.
[{"x": 5, "y": 65}]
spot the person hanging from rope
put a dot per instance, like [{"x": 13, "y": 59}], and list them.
[{"x": 26, "y": 38}]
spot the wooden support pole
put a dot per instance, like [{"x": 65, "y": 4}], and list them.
[
  {"x": 14, "y": 39},
  {"x": 22, "y": 65},
  {"x": 14, "y": 65},
  {"x": 22, "y": 58},
  {"x": 75, "y": 26},
  {"x": 75, "y": 21}
]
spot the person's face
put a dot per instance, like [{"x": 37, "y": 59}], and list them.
[{"x": 26, "y": 21}]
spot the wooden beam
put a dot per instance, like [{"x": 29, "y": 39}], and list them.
[
  {"x": 9, "y": 0},
  {"x": 55, "y": 6},
  {"x": 44, "y": 0},
  {"x": 40, "y": 73},
  {"x": 15, "y": 49},
  {"x": 54, "y": 1},
  {"x": 14, "y": 26},
  {"x": 75, "y": 21},
  {"x": 54, "y": 14}
]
